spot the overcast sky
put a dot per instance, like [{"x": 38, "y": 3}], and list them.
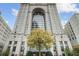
[{"x": 9, "y": 12}]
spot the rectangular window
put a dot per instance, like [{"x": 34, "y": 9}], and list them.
[
  {"x": 61, "y": 36},
  {"x": 61, "y": 43},
  {"x": 14, "y": 48},
  {"x": 65, "y": 42},
  {"x": 62, "y": 48},
  {"x": 22, "y": 43},
  {"x": 22, "y": 48},
  {"x": 70, "y": 39},
  {"x": 8, "y": 47},
  {"x": 10, "y": 42},
  {"x": 56, "y": 53},
  {"x": 15, "y": 42},
  {"x": 1, "y": 46},
  {"x": 54, "y": 48}
]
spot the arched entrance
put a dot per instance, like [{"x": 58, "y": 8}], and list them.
[
  {"x": 38, "y": 18},
  {"x": 38, "y": 21}
]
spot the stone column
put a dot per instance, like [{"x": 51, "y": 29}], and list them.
[
  {"x": 47, "y": 22},
  {"x": 58, "y": 38},
  {"x": 18, "y": 46},
  {"x": 26, "y": 19},
  {"x": 29, "y": 22},
  {"x": 25, "y": 46},
  {"x": 52, "y": 25}
]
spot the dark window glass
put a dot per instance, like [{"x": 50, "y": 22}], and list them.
[
  {"x": 61, "y": 43},
  {"x": 56, "y": 53},
  {"x": 72, "y": 38},
  {"x": 22, "y": 43},
  {"x": 1, "y": 46},
  {"x": 62, "y": 48},
  {"x": 65, "y": 42},
  {"x": 22, "y": 48},
  {"x": 75, "y": 37},
  {"x": 54, "y": 48},
  {"x": 38, "y": 20},
  {"x": 15, "y": 42},
  {"x": 8, "y": 47},
  {"x": 14, "y": 48},
  {"x": 10, "y": 42},
  {"x": 61, "y": 36}
]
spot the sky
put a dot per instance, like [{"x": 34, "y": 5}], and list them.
[{"x": 9, "y": 12}]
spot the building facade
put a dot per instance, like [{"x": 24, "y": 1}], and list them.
[
  {"x": 4, "y": 33},
  {"x": 72, "y": 29},
  {"x": 44, "y": 16}
]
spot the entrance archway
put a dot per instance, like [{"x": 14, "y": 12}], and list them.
[{"x": 38, "y": 18}]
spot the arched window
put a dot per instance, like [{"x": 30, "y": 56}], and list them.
[{"x": 38, "y": 18}]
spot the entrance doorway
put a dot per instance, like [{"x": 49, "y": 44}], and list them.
[{"x": 30, "y": 53}]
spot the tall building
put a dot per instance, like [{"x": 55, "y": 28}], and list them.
[
  {"x": 4, "y": 33},
  {"x": 32, "y": 15},
  {"x": 72, "y": 29}
]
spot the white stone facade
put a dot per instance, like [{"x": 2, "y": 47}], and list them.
[
  {"x": 72, "y": 29},
  {"x": 23, "y": 26},
  {"x": 4, "y": 33}
]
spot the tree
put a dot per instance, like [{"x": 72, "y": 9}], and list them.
[
  {"x": 68, "y": 52},
  {"x": 6, "y": 53},
  {"x": 76, "y": 50},
  {"x": 39, "y": 39}
]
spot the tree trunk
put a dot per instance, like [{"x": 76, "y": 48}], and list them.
[
  {"x": 39, "y": 53},
  {"x": 39, "y": 49}
]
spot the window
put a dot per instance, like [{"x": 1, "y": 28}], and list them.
[
  {"x": 14, "y": 48},
  {"x": 72, "y": 38},
  {"x": 61, "y": 43},
  {"x": 1, "y": 46},
  {"x": 75, "y": 37},
  {"x": 8, "y": 47},
  {"x": 10, "y": 42},
  {"x": 54, "y": 48},
  {"x": 14, "y": 36},
  {"x": 22, "y": 48},
  {"x": 62, "y": 48},
  {"x": 38, "y": 20},
  {"x": 65, "y": 42},
  {"x": 15, "y": 31},
  {"x": 56, "y": 53},
  {"x": 61, "y": 36},
  {"x": 22, "y": 43},
  {"x": 15, "y": 42},
  {"x": 34, "y": 24}
]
